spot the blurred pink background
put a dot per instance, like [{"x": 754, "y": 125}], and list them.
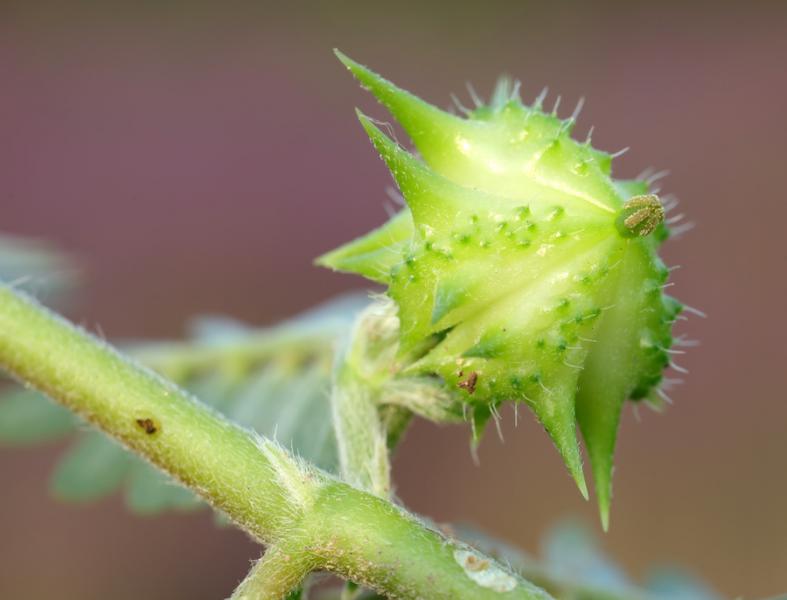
[{"x": 197, "y": 156}]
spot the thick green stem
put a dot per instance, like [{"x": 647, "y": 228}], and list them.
[
  {"x": 180, "y": 359},
  {"x": 145, "y": 412},
  {"x": 275, "y": 575},
  {"x": 360, "y": 435},
  {"x": 275, "y": 497},
  {"x": 380, "y": 546},
  {"x": 363, "y": 366}
]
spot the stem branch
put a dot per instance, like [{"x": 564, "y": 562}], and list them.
[
  {"x": 273, "y": 496},
  {"x": 275, "y": 575}
]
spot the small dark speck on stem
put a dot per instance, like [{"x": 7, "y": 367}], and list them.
[{"x": 147, "y": 425}]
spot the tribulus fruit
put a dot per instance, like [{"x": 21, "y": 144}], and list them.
[{"x": 525, "y": 271}]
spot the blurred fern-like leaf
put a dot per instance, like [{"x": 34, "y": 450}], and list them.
[
  {"x": 35, "y": 266},
  {"x": 573, "y": 566}
]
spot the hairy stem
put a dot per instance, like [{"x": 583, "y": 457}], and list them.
[
  {"x": 145, "y": 412},
  {"x": 276, "y": 498},
  {"x": 180, "y": 359},
  {"x": 378, "y": 545},
  {"x": 360, "y": 435},
  {"x": 363, "y": 366},
  {"x": 275, "y": 575}
]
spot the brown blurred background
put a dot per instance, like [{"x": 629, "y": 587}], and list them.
[{"x": 198, "y": 156}]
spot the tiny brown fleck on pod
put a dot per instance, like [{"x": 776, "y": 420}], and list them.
[
  {"x": 469, "y": 383},
  {"x": 147, "y": 425},
  {"x": 473, "y": 563}
]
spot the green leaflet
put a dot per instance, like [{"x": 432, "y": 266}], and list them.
[
  {"x": 531, "y": 267},
  {"x": 27, "y": 417},
  {"x": 96, "y": 466},
  {"x": 34, "y": 265},
  {"x": 273, "y": 380},
  {"x": 671, "y": 583},
  {"x": 149, "y": 491},
  {"x": 92, "y": 468}
]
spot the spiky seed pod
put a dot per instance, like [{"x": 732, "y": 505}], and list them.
[{"x": 524, "y": 269}]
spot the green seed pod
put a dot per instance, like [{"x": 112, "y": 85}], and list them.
[{"x": 521, "y": 267}]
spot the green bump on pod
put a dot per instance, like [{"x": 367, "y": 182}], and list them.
[{"x": 520, "y": 269}]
